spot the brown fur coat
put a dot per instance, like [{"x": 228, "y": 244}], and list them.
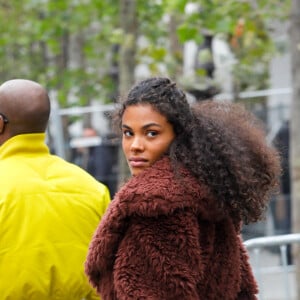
[{"x": 164, "y": 237}]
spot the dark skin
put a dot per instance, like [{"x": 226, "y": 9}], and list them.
[{"x": 26, "y": 106}]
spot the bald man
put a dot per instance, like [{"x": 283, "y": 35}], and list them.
[{"x": 49, "y": 208}]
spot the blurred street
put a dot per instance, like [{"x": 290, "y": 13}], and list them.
[{"x": 272, "y": 282}]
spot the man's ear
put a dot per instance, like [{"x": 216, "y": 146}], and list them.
[{"x": 2, "y": 124}]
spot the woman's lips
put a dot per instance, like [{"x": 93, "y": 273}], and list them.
[{"x": 137, "y": 162}]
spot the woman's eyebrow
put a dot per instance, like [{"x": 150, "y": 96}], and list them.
[
  {"x": 144, "y": 126},
  {"x": 150, "y": 125},
  {"x": 126, "y": 126}
]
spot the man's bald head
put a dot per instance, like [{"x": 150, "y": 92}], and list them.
[{"x": 26, "y": 105}]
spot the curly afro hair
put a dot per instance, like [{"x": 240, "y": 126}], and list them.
[{"x": 228, "y": 151}]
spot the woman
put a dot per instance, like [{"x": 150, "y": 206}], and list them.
[{"x": 173, "y": 230}]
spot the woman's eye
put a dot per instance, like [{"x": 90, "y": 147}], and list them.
[
  {"x": 127, "y": 133},
  {"x": 152, "y": 133}
]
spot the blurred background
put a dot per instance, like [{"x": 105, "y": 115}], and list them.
[{"x": 88, "y": 53}]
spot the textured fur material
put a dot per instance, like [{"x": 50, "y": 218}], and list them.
[{"x": 164, "y": 237}]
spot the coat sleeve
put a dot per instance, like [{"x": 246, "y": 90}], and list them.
[
  {"x": 159, "y": 258},
  {"x": 102, "y": 251}
]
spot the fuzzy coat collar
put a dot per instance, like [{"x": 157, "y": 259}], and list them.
[{"x": 160, "y": 191}]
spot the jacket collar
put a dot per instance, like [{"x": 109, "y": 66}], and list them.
[
  {"x": 160, "y": 191},
  {"x": 24, "y": 144}
]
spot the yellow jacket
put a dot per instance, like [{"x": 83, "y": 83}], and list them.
[{"x": 49, "y": 210}]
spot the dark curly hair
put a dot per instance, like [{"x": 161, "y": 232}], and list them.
[{"x": 221, "y": 143}]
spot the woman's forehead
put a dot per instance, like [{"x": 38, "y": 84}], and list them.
[{"x": 143, "y": 113}]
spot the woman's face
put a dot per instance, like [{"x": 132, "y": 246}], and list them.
[{"x": 147, "y": 135}]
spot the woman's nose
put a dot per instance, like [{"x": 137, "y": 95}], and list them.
[{"x": 137, "y": 144}]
